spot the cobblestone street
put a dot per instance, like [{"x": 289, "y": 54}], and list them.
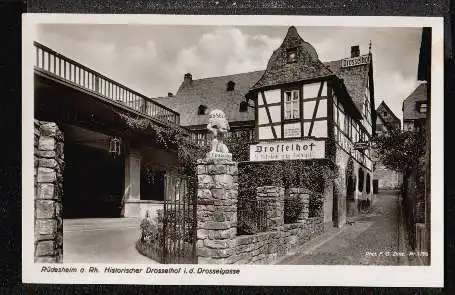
[{"x": 372, "y": 239}]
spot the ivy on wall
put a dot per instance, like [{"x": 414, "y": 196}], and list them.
[
  {"x": 297, "y": 173},
  {"x": 239, "y": 146},
  {"x": 309, "y": 174},
  {"x": 171, "y": 138}
]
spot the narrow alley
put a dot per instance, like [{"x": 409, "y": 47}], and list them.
[{"x": 372, "y": 239}]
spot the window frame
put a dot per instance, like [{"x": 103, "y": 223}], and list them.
[
  {"x": 243, "y": 107},
  {"x": 290, "y": 51},
  {"x": 292, "y": 103},
  {"x": 202, "y": 110},
  {"x": 419, "y": 107}
]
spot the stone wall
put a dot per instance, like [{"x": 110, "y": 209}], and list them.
[
  {"x": 49, "y": 164},
  {"x": 328, "y": 204},
  {"x": 266, "y": 247},
  {"x": 296, "y": 234},
  {"x": 387, "y": 179},
  {"x": 216, "y": 211},
  {"x": 340, "y": 189},
  {"x": 217, "y": 240},
  {"x": 304, "y": 195},
  {"x": 274, "y": 198}
]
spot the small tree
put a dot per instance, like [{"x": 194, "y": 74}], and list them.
[{"x": 399, "y": 150}]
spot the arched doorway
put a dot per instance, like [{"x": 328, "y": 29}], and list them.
[
  {"x": 361, "y": 179},
  {"x": 350, "y": 180}
]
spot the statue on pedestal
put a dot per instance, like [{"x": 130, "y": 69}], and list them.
[{"x": 219, "y": 126}]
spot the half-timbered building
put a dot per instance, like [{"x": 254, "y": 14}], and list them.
[
  {"x": 298, "y": 103},
  {"x": 302, "y": 100}
]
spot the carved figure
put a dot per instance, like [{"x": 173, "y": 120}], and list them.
[{"x": 219, "y": 126}]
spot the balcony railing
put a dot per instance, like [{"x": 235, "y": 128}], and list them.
[{"x": 51, "y": 62}]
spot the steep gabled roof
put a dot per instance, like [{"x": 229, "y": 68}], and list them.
[
  {"x": 280, "y": 71},
  {"x": 410, "y": 111},
  {"x": 212, "y": 92},
  {"x": 354, "y": 78},
  {"x": 391, "y": 121}
]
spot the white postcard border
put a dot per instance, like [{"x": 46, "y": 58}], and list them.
[{"x": 320, "y": 275}]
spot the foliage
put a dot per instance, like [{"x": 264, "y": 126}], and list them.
[
  {"x": 251, "y": 216},
  {"x": 315, "y": 206},
  {"x": 171, "y": 137},
  {"x": 307, "y": 174},
  {"x": 152, "y": 229},
  {"x": 312, "y": 175},
  {"x": 293, "y": 206},
  {"x": 239, "y": 146},
  {"x": 247, "y": 226},
  {"x": 399, "y": 150},
  {"x": 179, "y": 226}
]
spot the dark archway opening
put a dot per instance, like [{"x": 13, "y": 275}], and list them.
[
  {"x": 350, "y": 180},
  {"x": 361, "y": 179},
  {"x": 93, "y": 183},
  {"x": 368, "y": 184}
]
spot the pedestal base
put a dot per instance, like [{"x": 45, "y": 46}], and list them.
[{"x": 219, "y": 156}]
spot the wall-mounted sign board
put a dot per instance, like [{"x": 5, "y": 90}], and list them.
[
  {"x": 292, "y": 130},
  {"x": 288, "y": 150},
  {"x": 355, "y": 61}
]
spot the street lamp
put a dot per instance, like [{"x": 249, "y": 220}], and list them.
[{"x": 114, "y": 146}]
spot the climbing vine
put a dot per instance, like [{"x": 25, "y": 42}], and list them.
[
  {"x": 171, "y": 137},
  {"x": 312, "y": 175},
  {"x": 299, "y": 173}
]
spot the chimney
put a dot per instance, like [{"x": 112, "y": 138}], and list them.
[
  {"x": 170, "y": 94},
  {"x": 355, "y": 51},
  {"x": 230, "y": 86},
  {"x": 187, "y": 79}
]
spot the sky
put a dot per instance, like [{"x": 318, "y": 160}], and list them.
[{"x": 153, "y": 59}]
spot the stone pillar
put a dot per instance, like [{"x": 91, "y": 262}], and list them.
[
  {"x": 49, "y": 166},
  {"x": 328, "y": 204},
  {"x": 274, "y": 197},
  {"x": 304, "y": 195},
  {"x": 340, "y": 191},
  {"x": 216, "y": 210},
  {"x": 132, "y": 189}
]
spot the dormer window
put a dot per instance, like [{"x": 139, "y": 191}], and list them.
[
  {"x": 202, "y": 110},
  {"x": 243, "y": 106},
  {"x": 291, "y": 55},
  {"x": 230, "y": 86},
  {"x": 422, "y": 107}
]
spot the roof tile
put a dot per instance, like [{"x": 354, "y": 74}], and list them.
[{"x": 212, "y": 92}]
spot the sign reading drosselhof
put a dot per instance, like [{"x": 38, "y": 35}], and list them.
[
  {"x": 355, "y": 61},
  {"x": 289, "y": 150}
]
